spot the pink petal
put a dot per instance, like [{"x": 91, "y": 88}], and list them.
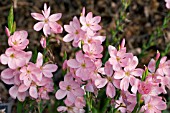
[
  {"x": 96, "y": 20},
  {"x": 78, "y": 92},
  {"x": 37, "y": 16},
  {"x": 119, "y": 75},
  {"x": 33, "y": 92},
  {"x": 50, "y": 67},
  {"x": 101, "y": 82},
  {"x": 89, "y": 16},
  {"x": 55, "y": 17},
  {"x": 124, "y": 84},
  {"x": 63, "y": 85},
  {"x": 22, "y": 88},
  {"x": 46, "y": 30},
  {"x": 38, "y": 26},
  {"x": 47, "y": 74},
  {"x": 110, "y": 90},
  {"x": 60, "y": 94},
  {"x": 12, "y": 64},
  {"x": 68, "y": 38},
  {"x": 8, "y": 81},
  {"x": 39, "y": 60},
  {"x": 79, "y": 56},
  {"x": 7, "y": 73},
  {"x": 152, "y": 65},
  {"x": 71, "y": 97},
  {"x": 137, "y": 72},
  {"x": 95, "y": 27},
  {"x": 21, "y": 96},
  {"x": 62, "y": 109},
  {"x": 73, "y": 63},
  {"x": 83, "y": 20},
  {"x": 69, "y": 29},
  {"x": 13, "y": 91},
  {"x": 4, "y": 59}
]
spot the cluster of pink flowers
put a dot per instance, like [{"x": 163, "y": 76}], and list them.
[
  {"x": 27, "y": 78},
  {"x": 86, "y": 72},
  {"x": 120, "y": 71}
]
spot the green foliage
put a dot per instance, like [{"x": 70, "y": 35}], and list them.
[{"x": 11, "y": 23}]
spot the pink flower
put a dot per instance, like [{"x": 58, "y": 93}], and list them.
[
  {"x": 154, "y": 105},
  {"x": 43, "y": 42},
  {"x": 47, "y": 22},
  {"x": 13, "y": 91},
  {"x": 109, "y": 80},
  {"x": 70, "y": 88},
  {"x": 15, "y": 58},
  {"x": 46, "y": 69},
  {"x": 18, "y": 40},
  {"x": 93, "y": 50},
  {"x": 28, "y": 74},
  {"x": 10, "y": 76},
  {"x": 83, "y": 65},
  {"x": 74, "y": 30},
  {"x": 164, "y": 67},
  {"x": 129, "y": 72},
  {"x": 90, "y": 23},
  {"x": 167, "y": 3},
  {"x": 119, "y": 58}
]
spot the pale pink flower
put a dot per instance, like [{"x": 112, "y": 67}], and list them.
[
  {"x": 74, "y": 30},
  {"x": 119, "y": 58},
  {"x": 13, "y": 91},
  {"x": 93, "y": 50},
  {"x": 15, "y": 58},
  {"x": 164, "y": 67},
  {"x": 18, "y": 40},
  {"x": 154, "y": 105},
  {"x": 128, "y": 73},
  {"x": 83, "y": 65},
  {"x": 109, "y": 80},
  {"x": 90, "y": 23},
  {"x": 46, "y": 69},
  {"x": 167, "y": 3},
  {"x": 129, "y": 100},
  {"x": 10, "y": 76},
  {"x": 70, "y": 88},
  {"x": 28, "y": 74},
  {"x": 43, "y": 42},
  {"x": 47, "y": 22}
]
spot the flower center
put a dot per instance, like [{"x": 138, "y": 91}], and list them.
[
  {"x": 68, "y": 88},
  {"x": 77, "y": 32},
  {"x": 12, "y": 56},
  {"x": 83, "y": 65},
  {"x": 15, "y": 43},
  {"x": 88, "y": 25},
  {"x": 117, "y": 58},
  {"x": 127, "y": 73},
  {"x": 46, "y": 20},
  {"x": 109, "y": 79}
]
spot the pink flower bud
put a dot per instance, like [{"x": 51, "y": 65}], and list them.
[
  {"x": 122, "y": 43},
  {"x": 43, "y": 42},
  {"x": 7, "y": 31},
  {"x": 157, "y": 55}
]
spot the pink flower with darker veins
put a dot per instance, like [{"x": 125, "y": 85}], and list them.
[
  {"x": 19, "y": 40},
  {"x": 47, "y": 22},
  {"x": 83, "y": 65},
  {"x": 90, "y": 23},
  {"x": 70, "y": 88}
]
